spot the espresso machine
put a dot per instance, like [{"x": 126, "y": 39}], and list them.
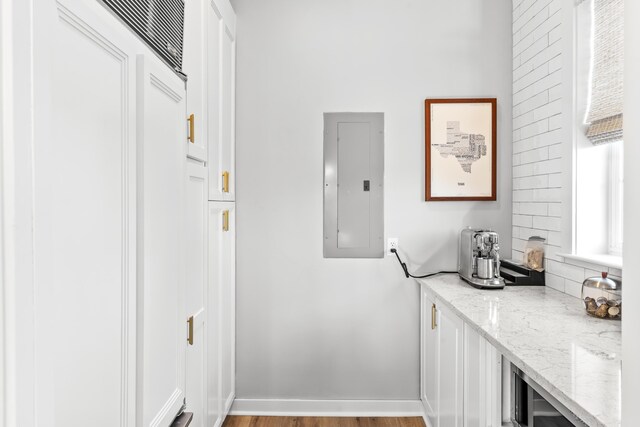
[{"x": 479, "y": 258}]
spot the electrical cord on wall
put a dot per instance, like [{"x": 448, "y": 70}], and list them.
[{"x": 406, "y": 270}]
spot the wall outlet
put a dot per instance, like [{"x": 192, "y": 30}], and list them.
[{"x": 392, "y": 243}]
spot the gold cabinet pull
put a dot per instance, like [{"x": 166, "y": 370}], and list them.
[
  {"x": 190, "y": 331},
  {"x": 225, "y": 182},
  {"x": 192, "y": 126},
  {"x": 225, "y": 221},
  {"x": 433, "y": 316}
]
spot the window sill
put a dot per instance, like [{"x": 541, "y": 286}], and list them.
[{"x": 611, "y": 261}]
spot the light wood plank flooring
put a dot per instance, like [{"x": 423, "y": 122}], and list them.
[{"x": 250, "y": 421}]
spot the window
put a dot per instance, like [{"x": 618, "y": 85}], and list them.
[{"x": 599, "y": 147}]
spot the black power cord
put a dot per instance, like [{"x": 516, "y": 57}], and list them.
[{"x": 406, "y": 271}]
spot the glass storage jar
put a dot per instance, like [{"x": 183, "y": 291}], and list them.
[{"x": 602, "y": 297}]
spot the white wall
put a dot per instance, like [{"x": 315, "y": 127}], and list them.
[
  {"x": 631, "y": 275},
  {"x": 545, "y": 126},
  {"x": 316, "y": 328}
]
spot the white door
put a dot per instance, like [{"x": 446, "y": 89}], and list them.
[
  {"x": 222, "y": 298},
  {"x": 221, "y": 64},
  {"x": 196, "y": 251},
  {"x": 450, "y": 383},
  {"x": 429, "y": 358},
  {"x": 84, "y": 217},
  {"x": 193, "y": 65},
  {"x": 162, "y": 323}
]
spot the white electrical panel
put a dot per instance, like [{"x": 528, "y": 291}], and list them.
[{"x": 353, "y": 185}]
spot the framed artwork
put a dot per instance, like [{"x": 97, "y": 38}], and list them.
[{"x": 460, "y": 149}]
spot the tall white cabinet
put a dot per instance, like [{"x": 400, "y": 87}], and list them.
[
  {"x": 209, "y": 62},
  {"x": 126, "y": 270},
  {"x": 161, "y": 260}
]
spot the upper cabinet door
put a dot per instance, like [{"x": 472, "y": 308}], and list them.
[
  {"x": 162, "y": 327},
  {"x": 194, "y": 66},
  {"x": 221, "y": 81},
  {"x": 84, "y": 217}
]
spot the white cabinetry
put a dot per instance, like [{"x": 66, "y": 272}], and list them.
[
  {"x": 196, "y": 279},
  {"x": 441, "y": 360},
  {"x": 221, "y": 64},
  {"x": 194, "y": 66},
  {"x": 221, "y": 308},
  {"x": 460, "y": 371},
  {"x": 161, "y": 270},
  {"x": 77, "y": 346},
  {"x": 482, "y": 381}
]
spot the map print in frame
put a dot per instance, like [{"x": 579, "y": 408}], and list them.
[{"x": 460, "y": 149}]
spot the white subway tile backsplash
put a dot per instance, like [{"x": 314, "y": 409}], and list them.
[
  {"x": 554, "y": 282},
  {"x": 543, "y": 84},
  {"x": 554, "y": 35},
  {"x": 551, "y": 109},
  {"x": 535, "y": 22},
  {"x": 555, "y": 180},
  {"x": 532, "y": 77},
  {"x": 615, "y": 272},
  {"x": 540, "y": 209},
  {"x": 567, "y": 271},
  {"x": 553, "y": 21},
  {"x": 534, "y": 128},
  {"x": 531, "y": 103},
  {"x": 542, "y": 140},
  {"x": 555, "y": 151},
  {"x": 540, "y": 144},
  {"x": 522, "y": 195},
  {"x": 555, "y": 209},
  {"x": 546, "y": 195},
  {"x": 547, "y": 223},
  {"x": 573, "y": 288},
  {"x": 523, "y": 170},
  {"x": 555, "y": 92},
  {"x": 531, "y": 182},
  {"x": 522, "y": 221},
  {"x": 555, "y": 122},
  {"x": 554, "y": 238},
  {"x": 548, "y": 166},
  {"x": 535, "y": 155}
]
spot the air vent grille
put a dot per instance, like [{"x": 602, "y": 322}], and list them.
[{"x": 160, "y": 23}]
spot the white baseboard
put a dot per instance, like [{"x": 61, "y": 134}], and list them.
[{"x": 327, "y": 408}]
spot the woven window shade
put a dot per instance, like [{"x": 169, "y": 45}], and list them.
[{"x": 605, "y": 112}]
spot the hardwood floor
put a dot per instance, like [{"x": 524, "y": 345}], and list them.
[{"x": 251, "y": 421}]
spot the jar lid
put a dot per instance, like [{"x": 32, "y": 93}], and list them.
[{"x": 603, "y": 283}]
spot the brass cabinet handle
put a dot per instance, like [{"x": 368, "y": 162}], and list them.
[
  {"x": 433, "y": 316},
  {"x": 192, "y": 125},
  {"x": 225, "y": 182},
  {"x": 190, "y": 331},
  {"x": 225, "y": 221}
]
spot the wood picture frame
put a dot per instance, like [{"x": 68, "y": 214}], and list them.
[{"x": 460, "y": 164}]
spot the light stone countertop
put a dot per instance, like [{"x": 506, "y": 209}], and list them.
[{"x": 548, "y": 335}]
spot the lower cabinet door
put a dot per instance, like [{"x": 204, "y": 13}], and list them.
[
  {"x": 429, "y": 359},
  {"x": 450, "y": 357},
  {"x": 221, "y": 300},
  {"x": 196, "y": 279},
  {"x": 482, "y": 381}
]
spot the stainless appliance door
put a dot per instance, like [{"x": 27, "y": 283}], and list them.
[{"x": 532, "y": 406}]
